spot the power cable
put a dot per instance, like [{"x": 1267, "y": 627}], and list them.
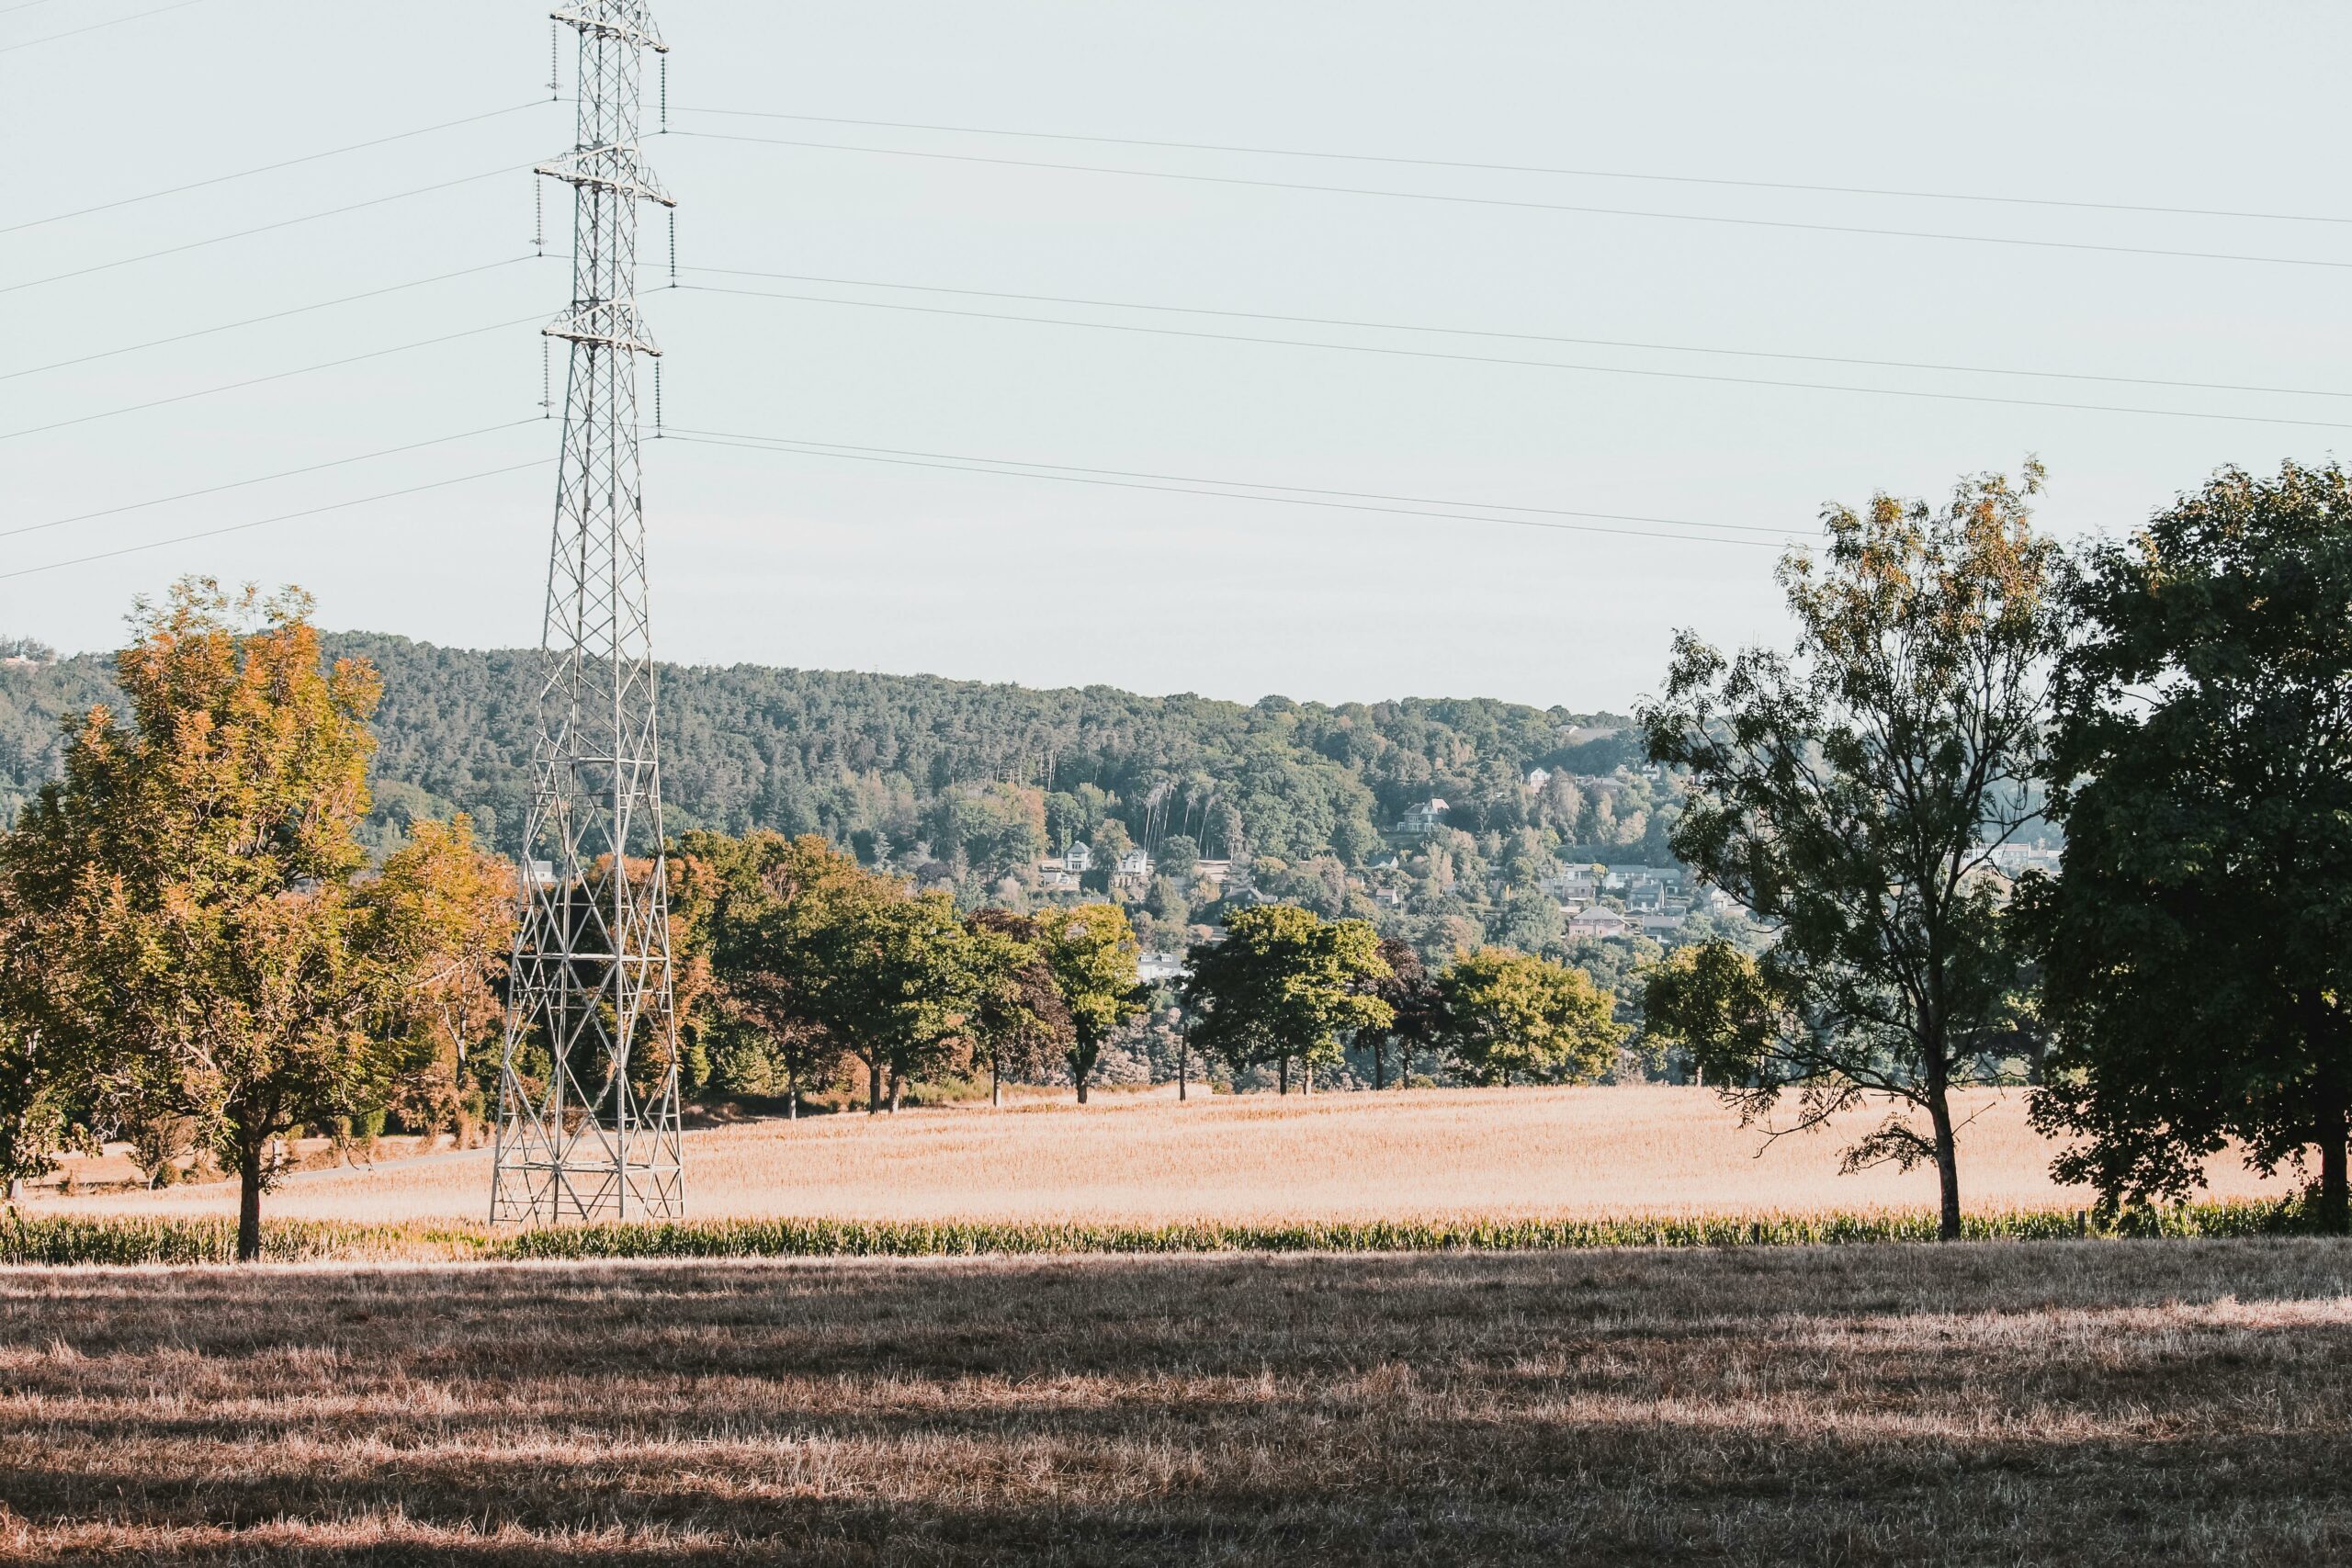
[
  {"x": 263, "y": 229},
  {"x": 22, "y": 5},
  {"x": 268, "y": 168},
  {"x": 260, "y": 381},
  {"x": 282, "y": 518},
  {"x": 1538, "y": 205},
  {"x": 94, "y": 26},
  {"x": 1527, "y": 168},
  {"x": 265, "y": 478},
  {"x": 1529, "y": 363},
  {"x": 1522, "y": 337},
  {"x": 257, "y": 321},
  {"x": 1014, "y": 468}
]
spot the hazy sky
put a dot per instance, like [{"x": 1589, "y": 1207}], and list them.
[{"x": 833, "y": 563}]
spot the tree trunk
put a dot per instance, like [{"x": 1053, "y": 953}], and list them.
[
  {"x": 248, "y": 1197},
  {"x": 1306, "y": 1075},
  {"x": 792, "y": 1100},
  {"x": 1947, "y": 1165},
  {"x": 996, "y": 1082},
  {"x": 1379, "y": 1064},
  {"x": 2334, "y": 1182},
  {"x": 874, "y": 1088},
  {"x": 1184, "y": 1069},
  {"x": 1281, "y": 1075},
  {"x": 1081, "y": 1076},
  {"x": 898, "y": 1089},
  {"x": 15, "y": 1190}
]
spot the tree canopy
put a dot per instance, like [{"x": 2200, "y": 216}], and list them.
[
  {"x": 1282, "y": 985},
  {"x": 194, "y": 879},
  {"x": 2198, "y": 944},
  {"x": 1851, "y": 796}
]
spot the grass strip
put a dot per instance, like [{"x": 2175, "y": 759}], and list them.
[{"x": 67, "y": 1240}]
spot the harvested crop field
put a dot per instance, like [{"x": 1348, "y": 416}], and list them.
[
  {"x": 1249, "y": 1160},
  {"x": 2106, "y": 1403}
]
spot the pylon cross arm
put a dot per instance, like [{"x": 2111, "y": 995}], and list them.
[{"x": 628, "y": 20}]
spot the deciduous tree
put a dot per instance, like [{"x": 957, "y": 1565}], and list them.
[
  {"x": 1851, "y": 797},
  {"x": 1283, "y": 985},
  {"x": 1092, "y": 953},
  {"x": 197, "y": 872},
  {"x": 1505, "y": 1015},
  {"x": 2199, "y": 940},
  {"x": 1020, "y": 1021}
]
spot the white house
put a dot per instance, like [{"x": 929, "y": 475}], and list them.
[
  {"x": 1537, "y": 778},
  {"x": 1135, "y": 862},
  {"x": 1079, "y": 859},
  {"x": 1420, "y": 821}
]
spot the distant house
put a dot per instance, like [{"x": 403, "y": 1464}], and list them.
[
  {"x": 1158, "y": 969},
  {"x": 1053, "y": 876},
  {"x": 1131, "y": 876},
  {"x": 1421, "y": 821},
  {"x": 1577, "y": 885},
  {"x": 1598, "y": 924},
  {"x": 1388, "y": 898},
  {"x": 1079, "y": 859},
  {"x": 1537, "y": 778}
]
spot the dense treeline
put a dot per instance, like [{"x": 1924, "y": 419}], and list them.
[{"x": 901, "y": 761}]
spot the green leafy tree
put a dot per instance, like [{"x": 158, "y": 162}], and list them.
[
  {"x": 42, "y": 1104},
  {"x": 196, "y": 874},
  {"x": 1851, "y": 797},
  {"x": 1505, "y": 1016},
  {"x": 895, "y": 983},
  {"x": 2198, "y": 943},
  {"x": 760, "y": 906},
  {"x": 1092, "y": 953},
  {"x": 1020, "y": 1021},
  {"x": 1411, "y": 997},
  {"x": 1711, "y": 1000},
  {"x": 1282, "y": 985}
]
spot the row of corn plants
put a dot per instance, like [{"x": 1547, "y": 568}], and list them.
[{"x": 74, "y": 1239}]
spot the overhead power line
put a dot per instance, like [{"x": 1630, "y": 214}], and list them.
[
  {"x": 1394, "y": 352},
  {"x": 1507, "y": 202},
  {"x": 94, "y": 26},
  {"x": 261, "y": 228},
  {"x": 282, "y": 518},
  {"x": 262, "y": 479},
  {"x": 1243, "y": 489},
  {"x": 268, "y": 168},
  {"x": 260, "y": 381},
  {"x": 257, "y": 321},
  {"x": 1522, "y": 337},
  {"x": 1910, "y": 194}
]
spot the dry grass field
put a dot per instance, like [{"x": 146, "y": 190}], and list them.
[
  {"x": 2058, "y": 1403},
  {"x": 1149, "y": 1159}
]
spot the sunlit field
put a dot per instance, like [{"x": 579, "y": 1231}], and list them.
[{"x": 1426, "y": 1153}]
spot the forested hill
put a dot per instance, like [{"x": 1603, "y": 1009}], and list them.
[{"x": 898, "y": 761}]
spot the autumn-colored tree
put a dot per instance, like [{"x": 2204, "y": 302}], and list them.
[
  {"x": 1020, "y": 1021},
  {"x": 1505, "y": 1016},
  {"x": 195, "y": 874},
  {"x": 443, "y": 915},
  {"x": 1092, "y": 953}
]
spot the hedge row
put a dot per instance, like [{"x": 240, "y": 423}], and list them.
[{"x": 68, "y": 1240}]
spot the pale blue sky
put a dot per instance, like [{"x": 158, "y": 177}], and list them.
[{"x": 796, "y": 559}]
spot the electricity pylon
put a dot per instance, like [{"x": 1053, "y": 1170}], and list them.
[{"x": 588, "y": 1077}]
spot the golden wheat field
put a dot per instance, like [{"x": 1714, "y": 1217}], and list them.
[
  {"x": 2098, "y": 1405},
  {"x": 1146, "y": 1159}
]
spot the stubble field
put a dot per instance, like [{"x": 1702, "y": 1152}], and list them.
[
  {"x": 1148, "y": 1159},
  {"x": 2106, "y": 1403}
]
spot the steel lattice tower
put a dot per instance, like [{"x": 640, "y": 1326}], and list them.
[{"x": 588, "y": 1080}]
